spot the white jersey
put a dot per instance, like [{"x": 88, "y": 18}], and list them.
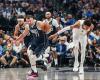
[
  {"x": 79, "y": 33},
  {"x": 53, "y": 22}
]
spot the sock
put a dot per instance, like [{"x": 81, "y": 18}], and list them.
[
  {"x": 76, "y": 63},
  {"x": 32, "y": 59},
  {"x": 33, "y": 63},
  {"x": 56, "y": 61},
  {"x": 83, "y": 49},
  {"x": 82, "y": 57}
]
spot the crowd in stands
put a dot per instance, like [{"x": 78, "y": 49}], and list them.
[{"x": 66, "y": 12}]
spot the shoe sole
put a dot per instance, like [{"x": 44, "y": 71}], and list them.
[
  {"x": 44, "y": 68},
  {"x": 30, "y": 78},
  {"x": 75, "y": 70},
  {"x": 81, "y": 73}
]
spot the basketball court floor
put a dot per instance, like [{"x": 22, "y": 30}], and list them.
[{"x": 52, "y": 74}]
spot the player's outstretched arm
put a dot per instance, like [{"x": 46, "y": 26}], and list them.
[
  {"x": 76, "y": 25},
  {"x": 24, "y": 34},
  {"x": 16, "y": 31}
]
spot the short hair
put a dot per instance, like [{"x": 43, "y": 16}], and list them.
[
  {"x": 28, "y": 16},
  {"x": 48, "y": 13},
  {"x": 20, "y": 17},
  {"x": 87, "y": 22}
]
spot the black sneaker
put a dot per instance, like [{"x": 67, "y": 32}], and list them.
[
  {"x": 6, "y": 66},
  {"x": 40, "y": 64},
  {"x": 44, "y": 67}
]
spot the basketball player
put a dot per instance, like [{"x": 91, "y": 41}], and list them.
[
  {"x": 33, "y": 34},
  {"x": 19, "y": 29},
  {"x": 81, "y": 30},
  {"x": 54, "y": 28}
]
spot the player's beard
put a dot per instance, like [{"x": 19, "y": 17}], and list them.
[{"x": 48, "y": 17}]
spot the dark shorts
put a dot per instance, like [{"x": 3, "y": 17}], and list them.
[
  {"x": 37, "y": 48},
  {"x": 37, "y": 44},
  {"x": 27, "y": 41}
]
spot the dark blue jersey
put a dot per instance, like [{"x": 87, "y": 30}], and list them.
[{"x": 37, "y": 39}]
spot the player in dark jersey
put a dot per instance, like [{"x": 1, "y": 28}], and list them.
[
  {"x": 36, "y": 30},
  {"x": 19, "y": 29}
]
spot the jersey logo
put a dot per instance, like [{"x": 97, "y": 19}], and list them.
[{"x": 34, "y": 31}]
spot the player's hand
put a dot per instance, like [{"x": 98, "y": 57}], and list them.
[
  {"x": 53, "y": 36},
  {"x": 55, "y": 39}
]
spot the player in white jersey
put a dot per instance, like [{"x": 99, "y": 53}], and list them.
[
  {"x": 51, "y": 45},
  {"x": 81, "y": 30}
]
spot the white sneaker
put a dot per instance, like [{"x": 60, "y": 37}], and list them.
[
  {"x": 81, "y": 70},
  {"x": 29, "y": 72},
  {"x": 75, "y": 69},
  {"x": 76, "y": 65}
]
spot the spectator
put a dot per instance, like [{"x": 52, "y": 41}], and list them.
[
  {"x": 13, "y": 21},
  {"x": 1, "y": 47},
  {"x": 90, "y": 58},
  {"x": 61, "y": 50},
  {"x": 97, "y": 36},
  {"x": 98, "y": 48},
  {"x": 21, "y": 54},
  {"x": 69, "y": 20},
  {"x": 24, "y": 57},
  {"x": 9, "y": 57}
]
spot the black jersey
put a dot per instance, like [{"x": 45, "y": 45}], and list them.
[
  {"x": 37, "y": 34},
  {"x": 37, "y": 39}
]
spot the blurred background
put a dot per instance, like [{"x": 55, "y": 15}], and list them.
[{"x": 66, "y": 12}]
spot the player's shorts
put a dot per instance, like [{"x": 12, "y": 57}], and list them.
[
  {"x": 27, "y": 41},
  {"x": 36, "y": 44}
]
